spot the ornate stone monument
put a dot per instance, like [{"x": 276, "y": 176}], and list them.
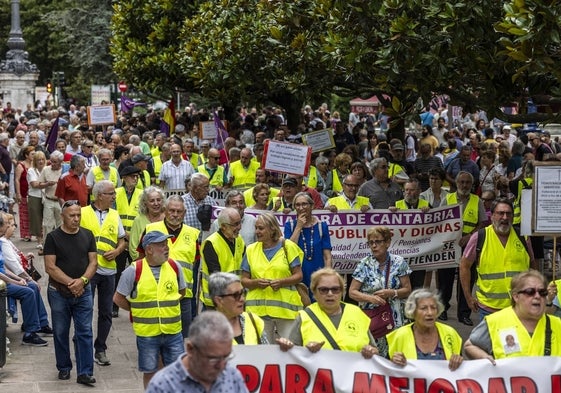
[{"x": 18, "y": 76}]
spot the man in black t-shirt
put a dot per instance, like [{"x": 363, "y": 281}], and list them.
[{"x": 71, "y": 261}]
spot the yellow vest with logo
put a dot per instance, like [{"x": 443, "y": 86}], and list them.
[
  {"x": 351, "y": 334},
  {"x": 341, "y": 203},
  {"x": 497, "y": 266},
  {"x": 517, "y": 219},
  {"x": 183, "y": 250},
  {"x": 401, "y": 205},
  {"x": 312, "y": 180},
  {"x": 505, "y": 322},
  {"x": 144, "y": 174},
  {"x": 127, "y": 211},
  {"x": 249, "y": 334},
  {"x": 243, "y": 178},
  {"x": 403, "y": 340},
  {"x": 217, "y": 179},
  {"x": 228, "y": 263},
  {"x": 155, "y": 310},
  {"x": 470, "y": 217},
  {"x": 284, "y": 303},
  {"x": 194, "y": 160},
  {"x": 106, "y": 235}
]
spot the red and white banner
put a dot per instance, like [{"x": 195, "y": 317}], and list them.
[{"x": 266, "y": 368}]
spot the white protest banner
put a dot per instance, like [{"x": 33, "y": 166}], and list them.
[
  {"x": 319, "y": 140},
  {"x": 101, "y": 114},
  {"x": 287, "y": 157},
  {"x": 265, "y": 368},
  {"x": 425, "y": 240}
]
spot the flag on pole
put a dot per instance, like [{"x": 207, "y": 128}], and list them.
[
  {"x": 167, "y": 124},
  {"x": 221, "y": 133},
  {"x": 128, "y": 104},
  {"x": 53, "y": 136}
]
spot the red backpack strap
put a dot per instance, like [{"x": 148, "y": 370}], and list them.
[{"x": 174, "y": 266}]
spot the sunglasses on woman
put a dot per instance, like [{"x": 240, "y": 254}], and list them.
[{"x": 531, "y": 292}]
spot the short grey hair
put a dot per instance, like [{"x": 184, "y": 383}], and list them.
[
  {"x": 225, "y": 215},
  {"x": 418, "y": 294},
  {"x": 75, "y": 160},
  {"x": 102, "y": 152},
  {"x": 197, "y": 178},
  {"x": 322, "y": 160},
  {"x": 375, "y": 163},
  {"x": 57, "y": 155},
  {"x": 174, "y": 198},
  {"x": 100, "y": 186},
  {"x": 219, "y": 281},
  {"x": 464, "y": 173},
  {"x": 232, "y": 194},
  {"x": 210, "y": 326}
]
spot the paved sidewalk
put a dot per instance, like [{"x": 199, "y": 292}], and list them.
[{"x": 32, "y": 369}]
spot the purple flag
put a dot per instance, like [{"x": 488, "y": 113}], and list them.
[
  {"x": 53, "y": 136},
  {"x": 221, "y": 133},
  {"x": 127, "y": 104}
]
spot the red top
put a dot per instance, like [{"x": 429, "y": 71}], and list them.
[{"x": 71, "y": 187}]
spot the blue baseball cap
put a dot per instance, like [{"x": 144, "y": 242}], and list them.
[{"x": 154, "y": 237}]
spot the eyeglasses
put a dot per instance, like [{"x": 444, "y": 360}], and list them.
[
  {"x": 214, "y": 360},
  {"x": 376, "y": 242},
  {"x": 326, "y": 290},
  {"x": 215, "y": 157},
  {"x": 236, "y": 295},
  {"x": 302, "y": 204},
  {"x": 352, "y": 185},
  {"x": 109, "y": 193},
  {"x": 531, "y": 292},
  {"x": 72, "y": 202},
  {"x": 233, "y": 224},
  {"x": 508, "y": 214}
]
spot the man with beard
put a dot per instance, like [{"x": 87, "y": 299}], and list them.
[
  {"x": 499, "y": 253},
  {"x": 473, "y": 219}
]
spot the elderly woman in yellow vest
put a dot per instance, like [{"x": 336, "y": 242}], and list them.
[
  {"x": 228, "y": 297},
  {"x": 330, "y": 323},
  {"x": 425, "y": 338},
  {"x": 532, "y": 332},
  {"x": 334, "y": 183},
  {"x": 271, "y": 268},
  {"x": 150, "y": 209}
]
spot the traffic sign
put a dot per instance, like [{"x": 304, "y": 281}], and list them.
[{"x": 122, "y": 87}]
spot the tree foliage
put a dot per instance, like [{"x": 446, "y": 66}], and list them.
[{"x": 483, "y": 54}]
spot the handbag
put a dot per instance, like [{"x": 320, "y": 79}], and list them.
[
  {"x": 28, "y": 266},
  {"x": 381, "y": 317}
]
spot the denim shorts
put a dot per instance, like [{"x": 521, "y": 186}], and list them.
[{"x": 169, "y": 346}]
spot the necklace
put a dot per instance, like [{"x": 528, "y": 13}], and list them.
[{"x": 309, "y": 256}]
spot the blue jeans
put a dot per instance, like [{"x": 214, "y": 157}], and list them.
[
  {"x": 63, "y": 311},
  {"x": 186, "y": 315},
  {"x": 32, "y": 306},
  {"x": 105, "y": 289},
  {"x": 167, "y": 346}
]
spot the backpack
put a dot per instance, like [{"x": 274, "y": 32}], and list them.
[
  {"x": 481, "y": 234},
  {"x": 415, "y": 140},
  {"x": 138, "y": 272}
]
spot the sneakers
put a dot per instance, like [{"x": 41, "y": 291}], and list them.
[
  {"x": 86, "y": 379},
  {"x": 45, "y": 331},
  {"x": 33, "y": 340},
  {"x": 101, "y": 359}
]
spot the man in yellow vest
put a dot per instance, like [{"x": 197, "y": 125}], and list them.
[
  {"x": 242, "y": 172},
  {"x": 473, "y": 219},
  {"x": 104, "y": 171},
  {"x": 223, "y": 250},
  {"x": 215, "y": 173},
  {"x": 109, "y": 234},
  {"x": 348, "y": 200},
  {"x": 152, "y": 292},
  {"x": 140, "y": 161},
  {"x": 126, "y": 202},
  {"x": 411, "y": 200},
  {"x": 159, "y": 160},
  {"x": 501, "y": 256},
  {"x": 184, "y": 249}
]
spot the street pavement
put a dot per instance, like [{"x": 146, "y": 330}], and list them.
[{"x": 32, "y": 369}]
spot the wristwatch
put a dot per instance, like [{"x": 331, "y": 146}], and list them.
[{"x": 85, "y": 279}]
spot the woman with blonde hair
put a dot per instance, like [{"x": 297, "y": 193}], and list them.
[{"x": 271, "y": 268}]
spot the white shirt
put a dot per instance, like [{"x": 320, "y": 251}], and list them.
[{"x": 174, "y": 175}]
